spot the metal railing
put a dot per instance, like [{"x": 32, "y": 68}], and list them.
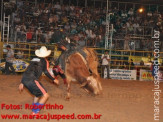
[
  {"x": 120, "y": 59},
  {"x": 28, "y": 49}
]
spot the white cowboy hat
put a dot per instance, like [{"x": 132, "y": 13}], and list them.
[{"x": 43, "y": 52}]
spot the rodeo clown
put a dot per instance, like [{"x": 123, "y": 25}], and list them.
[{"x": 31, "y": 76}]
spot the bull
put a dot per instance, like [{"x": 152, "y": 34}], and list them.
[{"x": 83, "y": 71}]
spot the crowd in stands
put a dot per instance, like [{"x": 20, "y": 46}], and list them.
[{"x": 47, "y": 23}]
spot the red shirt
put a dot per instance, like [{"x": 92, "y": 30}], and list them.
[{"x": 29, "y": 35}]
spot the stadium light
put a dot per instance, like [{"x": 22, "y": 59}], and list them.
[{"x": 141, "y": 10}]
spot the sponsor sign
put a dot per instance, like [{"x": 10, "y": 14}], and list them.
[
  {"x": 19, "y": 65},
  {"x": 122, "y": 74},
  {"x": 146, "y": 60},
  {"x": 146, "y": 75}
]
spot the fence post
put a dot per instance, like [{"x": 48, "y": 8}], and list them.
[
  {"x": 29, "y": 49},
  {"x": 1, "y": 50},
  {"x": 129, "y": 61},
  {"x": 0, "y": 36}
]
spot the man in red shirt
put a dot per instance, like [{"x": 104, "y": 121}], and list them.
[{"x": 29, "y": 35}]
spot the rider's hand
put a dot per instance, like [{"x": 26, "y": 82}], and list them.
[{"x": 56, "y": 81}]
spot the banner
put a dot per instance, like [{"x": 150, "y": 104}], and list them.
[
  {"x": 146, "y": 60},
  {"x": 19, "y": 65},
  {"x": 137, "y": 59},
  {"x": 146, "y": 75},
  {"x": 122, "y": 74}
]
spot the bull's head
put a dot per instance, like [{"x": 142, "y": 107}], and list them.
[{"x": 93, "y": 85}]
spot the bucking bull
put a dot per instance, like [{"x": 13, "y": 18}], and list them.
[{"x": 83, "y": 71}]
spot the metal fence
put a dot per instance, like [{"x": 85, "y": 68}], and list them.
[{"x": 120, "y": 59}]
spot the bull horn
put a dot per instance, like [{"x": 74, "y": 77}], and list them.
[{"x": 84, "y": 83}]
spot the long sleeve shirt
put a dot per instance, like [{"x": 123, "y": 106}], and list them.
[{"x": 35, "y": 70}]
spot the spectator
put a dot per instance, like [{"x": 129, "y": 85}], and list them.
[
  {"x": 131, "y": 64},
  {"x": 57, "y": 6},
  {"x": 73, "y": 25},
  {"x": 135, "y": 26},
  {"x": 20, "y": 55},
  {"x": 9, "y": 60},
  {"x": 81, "y": 35},
  {"x": 93, "y": 37},
  {"x": 29, "y": 35},
  {"x": 126, "y": 42},
  {"x": 67, "y": 27},
  {"x": 81, "y": 42},
  {"x": 141, "y": 63},
  {"x": 130, "y": 28},
  {"x": 17, "y": 19},
  {"x": 75, "y": 19},
  {"x": 154, "y": 72},
  {"x": 105, "y": 63},
  {"x": 130, "y": 12}
]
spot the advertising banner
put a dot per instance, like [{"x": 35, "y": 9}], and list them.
[
  {"x": 122, "y": 74},
  {"x": 18, "y": 64},
  {"x": 146, "y": 75}
]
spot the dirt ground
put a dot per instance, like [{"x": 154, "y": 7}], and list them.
[{"x": 121, "y": 101}]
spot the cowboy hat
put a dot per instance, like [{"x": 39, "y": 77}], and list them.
[{"x": 43, "y": 52}]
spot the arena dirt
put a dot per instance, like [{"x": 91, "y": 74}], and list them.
[{"x": 121, "y": 101}]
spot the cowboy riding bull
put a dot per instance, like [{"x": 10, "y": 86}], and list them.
[{"x": 79, "y": 64}]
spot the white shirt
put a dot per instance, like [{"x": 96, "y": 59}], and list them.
[
  {"x": 93, "y": 36},
  {"x": 128, "y": 24},
  {"x": 135, "y": 25},
  {"x": 105, "y": 60},
  {"x": 10, "y": 56},
  {"x": 130, "y": 12},
  {"x": 57, "y": 6},
  {"x": 88, "y": 32}
]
